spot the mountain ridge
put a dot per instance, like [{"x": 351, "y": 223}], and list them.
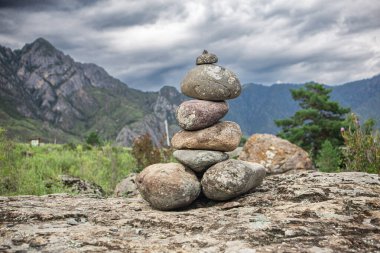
[
  {"x": 66, "y": 99},
  {"x": 45, "y": 93}
]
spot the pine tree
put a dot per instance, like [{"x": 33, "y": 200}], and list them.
[
  {"x": 329, "y": 158},
  {"x": 319, "y": 119}
]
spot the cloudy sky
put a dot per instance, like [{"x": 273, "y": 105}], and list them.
[{"x": 151, "y": 43}]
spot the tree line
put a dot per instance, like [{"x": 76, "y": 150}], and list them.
[{"x": 330, "y": 133}]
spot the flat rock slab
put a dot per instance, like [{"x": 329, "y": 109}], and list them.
[
  {"x": 199, "y": 114},
  {"x": 304, "y": 212},
  {"x": 211, "y": 82},
  {"x": 168, "y": 186},
  {"x": 231, "y": 178},
  {"x": 199, "y": 160},
  {"x": 223, "y": 136}
]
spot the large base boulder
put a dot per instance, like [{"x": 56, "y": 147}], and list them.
[
  {"x": 168, "y": 186},
  {"x": 231, "y": 178},
  {"x": 275, "y": 154}
]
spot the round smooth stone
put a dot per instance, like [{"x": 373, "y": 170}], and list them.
[
  {"x": 223, "y": 136},
  {"x": 206, "y": 58},
  {"x": 199, "y": 160},
  {"x": 231, "y": 178},
  {"x": 168, "y": 186},
  {"x": 211, "y": 82},
  {"x": 199, "y": 114}
]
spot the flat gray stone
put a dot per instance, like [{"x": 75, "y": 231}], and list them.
[
  {"x": 199, "y": 114},
  {"x": 199, "y": 160},
  {"x": 231, "y": 178},
  {"x": 211, "y": 82}
]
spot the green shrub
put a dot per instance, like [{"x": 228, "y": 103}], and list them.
[
  {"x": 329, "y": 158},
  {"x": 243, "y": 140},
  {"x": 9, "y": 174},
  {"x": 93, "y": 139},
  {"x": 361, "y": 146}
]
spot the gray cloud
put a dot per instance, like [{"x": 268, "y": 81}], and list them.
[{"x": 150, "y": 43}]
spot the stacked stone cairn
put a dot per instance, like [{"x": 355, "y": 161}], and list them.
[{"x": 201, "y": 145}]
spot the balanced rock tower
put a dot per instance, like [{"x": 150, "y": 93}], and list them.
[{"x": 201, "y": 145}]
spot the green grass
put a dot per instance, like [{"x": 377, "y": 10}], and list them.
[{"x": 28, "y": 170}]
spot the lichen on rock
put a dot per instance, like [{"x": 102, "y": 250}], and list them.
[{"x": 304, "y": 212}]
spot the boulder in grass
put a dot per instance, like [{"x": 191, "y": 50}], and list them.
[
  {"x": 127, "y": 187},
  {"x": 275, "y": 154}
]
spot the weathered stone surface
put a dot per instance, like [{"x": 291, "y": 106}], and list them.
[
  {"x": 199, "y": 160},
  {"x": 276, "y": 154},
  {"x": 303, "y": 212},
  {"x": 127, "y": 187},
  {"x": 231, "y": 178},
  {"x": 199, "y": 114},
  {"x": 223, "y": 136},
  {"x": 206, "y": 58},
  {"x": 78, "y": 185},
  {"x": 235, "y": 153},
  {"x": 211, "y": 82},
  {"x": 168, "y": 186}
]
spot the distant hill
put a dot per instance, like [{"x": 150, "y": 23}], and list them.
[
  {"x": 258, "y": 106},
  {"x": 45, "y": 93}
]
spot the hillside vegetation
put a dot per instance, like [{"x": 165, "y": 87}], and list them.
[{"x": 37, "y": 170}]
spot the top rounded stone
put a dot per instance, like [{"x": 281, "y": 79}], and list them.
[
  {"x": 206, "y": 58},
  {"x": 211, "y": 82}
]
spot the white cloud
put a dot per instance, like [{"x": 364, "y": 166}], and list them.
[{"x": 152, "y": 43}]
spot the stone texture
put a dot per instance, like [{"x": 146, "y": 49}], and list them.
[
  {"x": 127, "y": 187},
  {"x": 199, "y": 160},
  {"x": 199, "y": 114},
  {"x": 206, "y": 58},
  {"x": 235, "y": 153},
  {"x": 231, "y": 178},
  {"x": 75, "y": 184},
  {"x": 168, "y": 186},
  {"x": 276, "y": 154},
  {"x": 304, "y": 212},
  {"x": 211, "y": 82},
  {"x": 223, "y": 136}
]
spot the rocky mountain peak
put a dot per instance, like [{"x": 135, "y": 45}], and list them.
[{"x": 41, "y": 48}]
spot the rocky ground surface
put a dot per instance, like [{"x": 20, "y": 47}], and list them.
[{"x": 304, "y": 212}]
